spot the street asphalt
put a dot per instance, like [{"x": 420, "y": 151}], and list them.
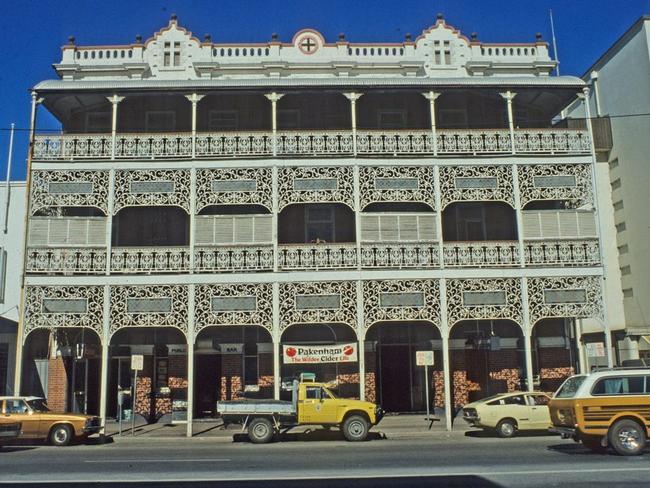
[{"x": 462, "y": 459}]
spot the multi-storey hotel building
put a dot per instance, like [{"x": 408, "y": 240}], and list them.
[{"x": 209, "y": 204}]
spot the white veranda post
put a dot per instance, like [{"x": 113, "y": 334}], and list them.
[
  {"x": 509, "y": 96},
  {"x": 115, "y": 101},
  {"x": 274, "y": 98},
  {"x": 432, "y": 96}
]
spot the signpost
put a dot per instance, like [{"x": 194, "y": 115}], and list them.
[
  {"x": 425, "y": 358},
  {"x": 137, "y": 364}
]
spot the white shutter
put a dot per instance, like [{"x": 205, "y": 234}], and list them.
[
  {"x": 389, "y": 228},
  {"x": 587, "y": 224},
  {"x": 243, "y": 226},
  {"x": 223, "y": 230},
  {"x": 57, "y": 234},
  {"x": 38, "y": 231},
  {"x": 370, "y": 228},
  {"x": 77, "y": 232},
  {"x": 263, "y": 229},
  {"x": 96, "y": 232},
  {"x": 427, "y": 227},
  {"x": 204, "y": 229},
  {"x": 408, "y": 228},
  {"x": 531, "y": 223},
  {"x": 549, "y": 225},
  {"x": 568, "y": 224}
]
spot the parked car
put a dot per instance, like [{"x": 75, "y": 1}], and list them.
[
  {"x": 9, "y": 430},
  {"x": 508, "y": 413},
  {"x": 38, "y": 422},
  {"x": 605, "y": 408}
]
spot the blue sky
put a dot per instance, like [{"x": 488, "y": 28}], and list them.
[{"x": 32, "y": 32}]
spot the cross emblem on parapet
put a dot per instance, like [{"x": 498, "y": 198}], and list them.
[{"x": 308, "y": 45}]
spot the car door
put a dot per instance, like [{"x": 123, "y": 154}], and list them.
[
  {"x": 515, "y": 406},
  {"x": 16, "y": 409},
  {"x": 540, "y": 417},
  {"x": 307, "y": 406},
  {"x": 327, "y": 408}
]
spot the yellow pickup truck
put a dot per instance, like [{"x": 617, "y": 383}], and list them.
[{"x": 312, "y": 404}]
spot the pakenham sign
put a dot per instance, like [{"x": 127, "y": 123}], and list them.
[{"x": 339, "y": 353}]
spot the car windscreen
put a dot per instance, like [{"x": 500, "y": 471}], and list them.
[
  {"x": 38, "y": 405},
  {"x": 570, "y": 387}
]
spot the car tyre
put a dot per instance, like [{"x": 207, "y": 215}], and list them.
[
  {"x": 260, "y": 431},
  {"x": 627, "y": 438},
  {"x": 61, "y": 435},
  {"x": 355, "y": 428},
  {"x": 506, "y": 428}
]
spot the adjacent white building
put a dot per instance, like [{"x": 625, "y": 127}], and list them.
[{"x": 620, "y": 97}]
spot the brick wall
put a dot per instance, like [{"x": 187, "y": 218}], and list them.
[
  {"x": 231, "y": 376},
  {"x": 371, "y": 376},
  {"x": 57, "y": 385},
  {"x": 265, "y": 369},
  {"x": 554, "y": 364},
  {"x": 177, "y": 371}
]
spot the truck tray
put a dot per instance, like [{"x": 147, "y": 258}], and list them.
[{"x": 250, "y": 407}]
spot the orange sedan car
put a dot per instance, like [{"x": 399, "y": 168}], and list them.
[{"x": 39, "y": 423}]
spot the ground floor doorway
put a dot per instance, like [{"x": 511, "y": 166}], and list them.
[{"x": 207, "y": 369}]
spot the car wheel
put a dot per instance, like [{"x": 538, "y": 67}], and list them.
[
  {"x": 506, "y": 428},
  {"x": 627, "y": 438},
  {"x": 355, "y": 428},
  {"x": 61, "y": 435},
  {"x": 260, "y": 431},
  {"x": 593, "y": 443}
]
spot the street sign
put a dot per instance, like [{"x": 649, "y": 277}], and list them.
[
  {"x": 137, "y": 362},
  {"x": 595, "y": 349},
  {"x": 424, "y": 358}
]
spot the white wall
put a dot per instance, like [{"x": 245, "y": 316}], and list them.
[{"x": 12, "y": 242}]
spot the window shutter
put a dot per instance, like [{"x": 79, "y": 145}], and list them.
[
  {"x": 204, "y": 229},
  {"x": 531, "y": 222},
  {"x": 58, "y": 232},
  {"x": 427, "y": 227},
  {"x": 408, "y": 228},
  {"x": 38, "y": 231},
  {"x": 370, "y": 228},
  {"x": 223, "y": 230},
  {"x": 263, "y": 229},
  {"x": 243, "y": 226},
  {"x": 389, "y": 228},
  {"x": 587, "y": 224},
  {"x": 568, "y": 224},
  {"x": 96, "y": 232},
  {"x": 77, "y": 232},
  {"x": 549, "y": 225}
]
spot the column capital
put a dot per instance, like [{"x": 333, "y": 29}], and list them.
[
  {"x": 36, "y": 99},
  {"x": 585, "y": 93},
  {"x": 431, "y": 95},
  {"x": 115, "y": 99},
  {"x": 274, "y": 97},
  {"x": 352, "y": 96},
  {"x": 194, "y": 97},
  {"x": 508, "y": 95}
]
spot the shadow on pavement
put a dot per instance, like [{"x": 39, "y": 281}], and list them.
[
  {"x": 492, "y": 434},
  {"x": 311, "y": 436},
  {"x": 576, "y": 449},
  {"x": 14, "y": 448},
  {"x": 461, "y": 481}
]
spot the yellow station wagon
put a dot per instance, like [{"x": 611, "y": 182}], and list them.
[{"x": 606, "y": 408}]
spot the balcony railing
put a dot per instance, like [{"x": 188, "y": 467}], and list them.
[
  {"x": 150, "y": 259},
  {"x": 308, "y": 142},
  {"x": 259, "y": 257},
  {"x": 317, "y": 256},
  {"x": 66, "y": 260},
  {"x": 562, "y": 253},
  {"x": 400, "y": 255},
  {"x": 210, "y": 259},
  {"x": 481, "y": 254}
]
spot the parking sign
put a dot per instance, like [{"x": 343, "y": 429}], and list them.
[{"x": 137, "y": 362}]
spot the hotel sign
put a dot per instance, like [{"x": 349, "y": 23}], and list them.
[{"x": 339, "y": 353}]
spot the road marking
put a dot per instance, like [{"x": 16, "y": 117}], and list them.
[{"x": 135, "y": 461}]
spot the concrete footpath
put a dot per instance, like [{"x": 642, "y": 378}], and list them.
[{"x": 391, "y": 427}]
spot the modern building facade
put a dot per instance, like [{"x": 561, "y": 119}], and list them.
[
  {"x": 216, "y": 207},
  {"x": 13, "y": 214},
  {"x": 620, "y": 95}
]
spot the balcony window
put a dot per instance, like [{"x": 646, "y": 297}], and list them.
[
  {"x": 391, "y": 119},
  {"x": 307, "y": 223},
  {"x": 219, "y": 120},
  {"x": 479, "y": 221},
  {"x": 160, "y": 121},
  {"x": 151, "y": 226},
  {"x": 98, "y": 122},
  {"x": 289, "y": 118}
]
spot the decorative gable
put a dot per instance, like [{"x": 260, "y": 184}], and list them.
[{"x": 172, "y": 51}]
